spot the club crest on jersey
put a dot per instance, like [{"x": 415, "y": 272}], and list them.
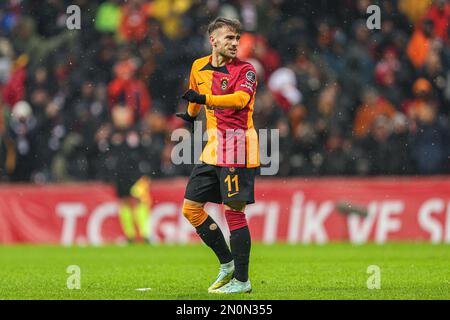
[
  {"x": 232, "y": 169},
  {"x": 223, "y": 84}
]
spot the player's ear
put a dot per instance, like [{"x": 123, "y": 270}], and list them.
[{"x": 212, "y": 40}]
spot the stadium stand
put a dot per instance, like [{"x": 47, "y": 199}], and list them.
[{"x": 79, "y": 105}]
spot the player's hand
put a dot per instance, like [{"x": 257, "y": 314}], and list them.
[
  {"x": 194, "y": 96},
  {"x": 186, "y": 117}
]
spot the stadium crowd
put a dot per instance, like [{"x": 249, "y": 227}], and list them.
[{"x": 99, "y": 102}]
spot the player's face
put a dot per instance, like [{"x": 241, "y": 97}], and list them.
[{"x": 225, "y": 41}]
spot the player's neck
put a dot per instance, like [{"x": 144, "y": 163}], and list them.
[{"x": 219, "y": 60}]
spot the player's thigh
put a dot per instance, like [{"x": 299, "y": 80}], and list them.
[
  {"x": 235, "y": 205},
  {"x": 203, "y": 185},
  {"x": 237, "y": 185}
]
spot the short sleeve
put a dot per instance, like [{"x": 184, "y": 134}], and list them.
[{"x": 247, "y": 80}]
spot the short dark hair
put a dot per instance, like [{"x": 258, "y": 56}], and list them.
[{"x": 224, "y": 22}]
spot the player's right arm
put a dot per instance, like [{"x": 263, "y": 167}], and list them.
[{"x": 193, "y": 108}]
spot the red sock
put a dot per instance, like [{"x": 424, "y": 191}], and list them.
[{"x": 235, "y": 219}]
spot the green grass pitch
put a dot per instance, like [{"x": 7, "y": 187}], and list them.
[{"x": 280, "y": 271}]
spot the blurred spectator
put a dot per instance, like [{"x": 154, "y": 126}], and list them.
[
  {"x": 330, "y": 114},
  {"x": 170, "y": 15},
  {"x": 439, "y": 13},
  {"x": 99, "y": 103},
  {"x": 14, "y": 89},
  {"x": 401, "y": 141},
  {"x": 77, "y": 156},
  {"x": 385, "y": 76},
  {"x": 23, "y": 129},
  {"x": 129, "y": 90},
  {"x": 420, "y": 43},
  {"x": 133, "y": 25},
  {"x": 372, "y": 106},
  {"x": 38, "y": 48},
  {"x": 383, "y": 148},
  {"x": 337, "y": 160},
  {"x": 414, "y": 9},
  {"x": 360, "y": 55},
  {"x": 434, "y": 71},
  {"x": 423, "y": 96},
  {"x": 108, "y": 16},
  {"x": 267, "y": 56},
  {"x": 431, "y": 142},
  {"x": 283, "y": 84}
]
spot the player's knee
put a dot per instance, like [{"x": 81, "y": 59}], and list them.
[{"x": 194, "y": 213}]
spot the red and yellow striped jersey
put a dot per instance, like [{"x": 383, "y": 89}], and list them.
[{"x": 232, "y": 138}]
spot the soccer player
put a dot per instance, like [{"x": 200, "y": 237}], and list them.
[{"x": 226, "y": 86}]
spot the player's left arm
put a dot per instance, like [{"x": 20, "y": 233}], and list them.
[
  {"x": 244, "y": 90},
  {"x": 237, "y": 100}
]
